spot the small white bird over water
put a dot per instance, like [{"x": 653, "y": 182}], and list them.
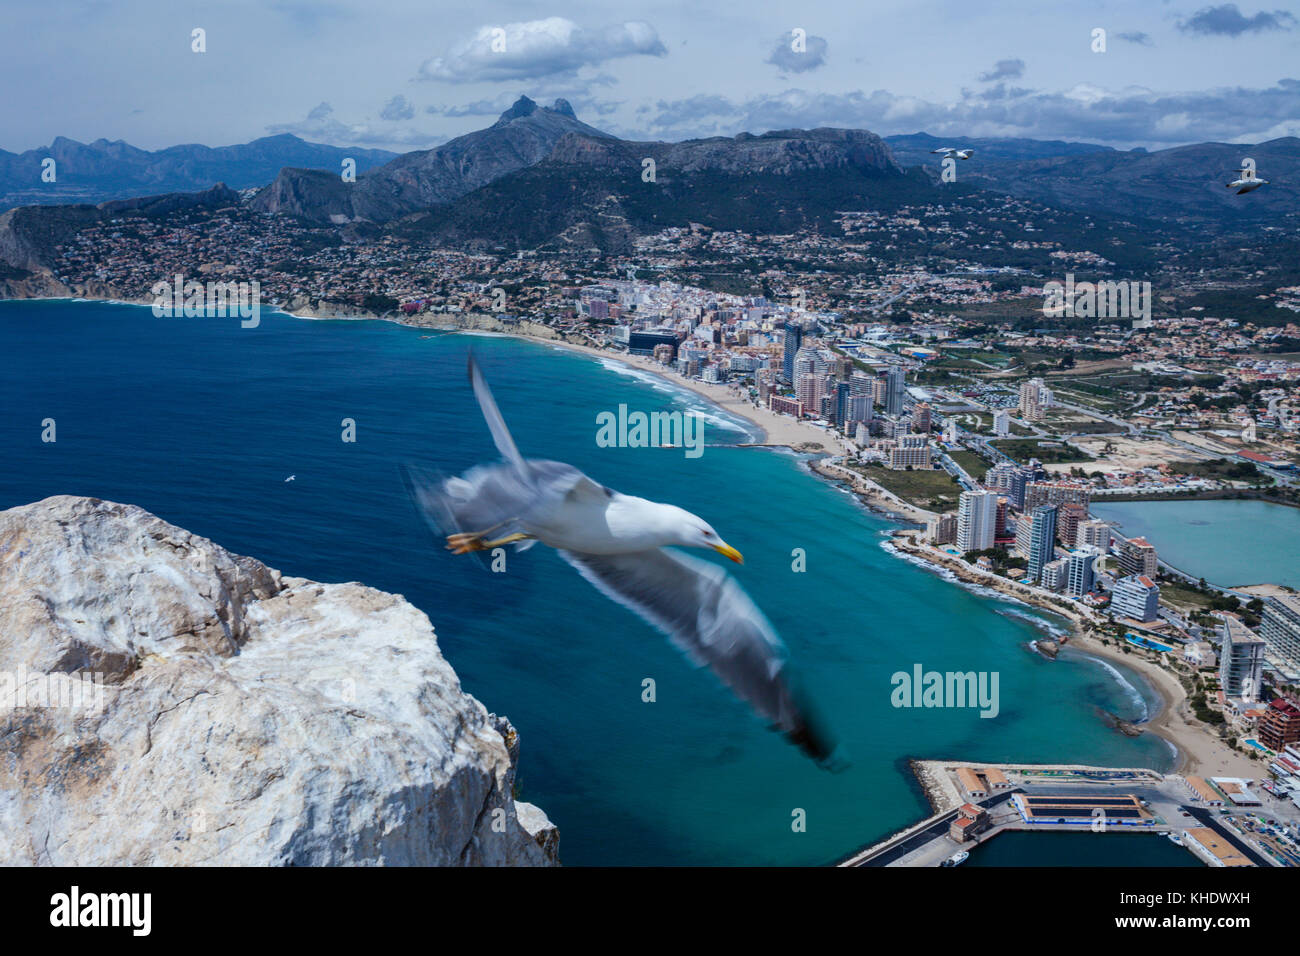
[
  {"x": 1247, "y": 181},
  {"x": 950, "y": 151},
  {"x": 617, "y": 542}
]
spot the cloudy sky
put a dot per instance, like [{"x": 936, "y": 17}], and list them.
[{"x": 408, "y": 74}]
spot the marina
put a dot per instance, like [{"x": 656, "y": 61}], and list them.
[{"x": 976, "y": 803}]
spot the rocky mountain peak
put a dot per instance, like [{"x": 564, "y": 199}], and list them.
[{"x": 522, "y": 107}]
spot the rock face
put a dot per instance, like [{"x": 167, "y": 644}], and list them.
[
  {"x": 239, "y": 718},
  {"x": 528, "y": 134},
  {"x": 523, "y": 135}
]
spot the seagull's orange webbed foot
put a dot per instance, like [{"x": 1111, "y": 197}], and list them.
[{"x": 465, "y": 542}]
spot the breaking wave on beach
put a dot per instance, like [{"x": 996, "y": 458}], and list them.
[
  {"x": 1130, "y": 690},
  {"x": 1020, "y": 610},
  {"x": 1053, "y": 630},
  {"x": 940, "y": 571},
  {"x": 694, "y": 403}
]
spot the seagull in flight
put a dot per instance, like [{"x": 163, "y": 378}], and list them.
[
  {"x": 290, "y": 478},
  {"x": 620, "y": 544},
  {"x": 1246, "y": 181},
  {"x": 950, "y": 151}
]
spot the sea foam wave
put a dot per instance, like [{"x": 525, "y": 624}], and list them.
[
  {"x": 695, "y": 403},
  {"x": 1127, "y": 686}
]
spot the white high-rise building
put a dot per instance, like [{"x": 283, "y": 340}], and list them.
[
  {"x": 1280, "y": 629},
  {"x": 1093, "y": 534},
  {"x": 1001, "y": 423},
  {"x": 977, "y": 515},
  {"x": 1080, "y": 572},
  {"x": 1241, "y": 660},
  {"x": 1054, "y": 574},
  {"x": 1136, "y": 596}
]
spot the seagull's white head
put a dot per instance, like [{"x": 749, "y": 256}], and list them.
[{"x": 692, "y": 531}]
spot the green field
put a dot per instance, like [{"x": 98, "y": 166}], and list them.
[
  {"x": 935, "y": 490},
  {"x": 1181, "y": 596},
  {"x": 1022, "y": 449},
  {"x": 973, "y": 463},
  {"x": 1218, "y": 468}
]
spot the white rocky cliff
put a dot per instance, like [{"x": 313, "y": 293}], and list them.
[{"x": 244, "y": 718}]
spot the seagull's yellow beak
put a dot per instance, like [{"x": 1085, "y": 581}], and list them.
[{"x": 730, "y": 552}]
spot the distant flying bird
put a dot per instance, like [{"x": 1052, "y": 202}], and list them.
[
  {"x": 1246, "y": 181},
  {"x": 950, "y": 151},
  {"x": 291, "y": 478},
  {"x": 617, "y": 542}
]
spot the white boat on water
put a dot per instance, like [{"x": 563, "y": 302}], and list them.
[
  {"x": 956, "y": 859},
  {"x": 1174, "y": 838}
]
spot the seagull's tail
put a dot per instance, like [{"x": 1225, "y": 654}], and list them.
[
  {"x": 432, "y": 504},
  {"x": 422, "y": 485}
]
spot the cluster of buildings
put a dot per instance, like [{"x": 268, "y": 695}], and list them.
[
  {"x": 1053, "y": 543},
  {"x": 1046, "y": 523}
]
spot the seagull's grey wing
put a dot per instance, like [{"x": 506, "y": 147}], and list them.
[
  {"x": 496, "y": 423},
  {"x": 707, "y": 614}
]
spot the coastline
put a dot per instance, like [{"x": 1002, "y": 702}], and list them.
[
  {"x": 775, "y": 430},
  {"x": 779, "y": 431},
  {"x": 1198, "y": 750},
  {"x": 875, "y": 497}
]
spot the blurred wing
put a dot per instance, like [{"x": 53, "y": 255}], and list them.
[
  {"x": 711, "y": 619},
  {"x": 497, "y": 498},
  {"x": 496, "y": 423}
]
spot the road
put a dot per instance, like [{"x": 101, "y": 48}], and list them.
[{"x": 937, "y": 829}]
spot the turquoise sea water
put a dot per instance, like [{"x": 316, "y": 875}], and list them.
[
  {"x": 1227, "y": 542},
  {"x": 1082, "y": 849},
  {"x": 201, "y": 421}
]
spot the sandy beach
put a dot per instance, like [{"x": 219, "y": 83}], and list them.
[
  {"x": 777, "y": 430},
  {"x": 1200, "y": 751}
]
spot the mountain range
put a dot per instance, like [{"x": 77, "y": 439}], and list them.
[
  {"x": 915, "y": 149},
  {"x": 1183, "y": 185},
  {"x": 541, "y": 178},
  {"x": 525, "y": 134},
  {"x": 93, "y": 172}
]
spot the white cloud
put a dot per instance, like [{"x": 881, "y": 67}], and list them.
[
  {"x": 788, "y": 60},
  {"x": 1126, "y": 117},
  {"x": 535, "y": 49}
]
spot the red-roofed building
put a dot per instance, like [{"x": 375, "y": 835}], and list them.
[
  {"x": 1280, "y": 725},
  {"x": 969, "y": 823}
]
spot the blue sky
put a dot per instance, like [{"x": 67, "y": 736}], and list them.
[{"x": 408, "y": 74}]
